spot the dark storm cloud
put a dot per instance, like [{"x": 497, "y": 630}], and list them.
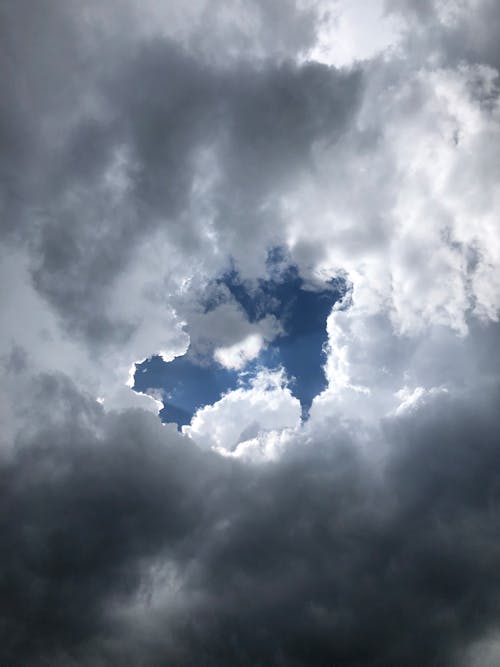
[
  {"x": 80, "y": 113},
  {"x": 323, "y": 562},
  {"x": 85, "y": 500},
  {"x": 332, "y": 556}
]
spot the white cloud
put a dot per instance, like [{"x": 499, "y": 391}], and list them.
[
  {"x": 238, "y": 355},
  {"x": 242, "y": 414},
  {"x": 406, "y": 203},
  {"x": 410, "y": 399},
  {"x": 353, "y": 30}
]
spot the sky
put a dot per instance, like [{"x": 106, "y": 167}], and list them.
[
  {"x": 249, "y": 341},
  {"x": 295, "y": 345}
]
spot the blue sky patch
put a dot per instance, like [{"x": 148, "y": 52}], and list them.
[{"x": 189, "y": 382}]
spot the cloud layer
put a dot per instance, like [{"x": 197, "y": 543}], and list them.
[
  {"x": 144, "y": 156},
  {"x": 123, "y": 543}
]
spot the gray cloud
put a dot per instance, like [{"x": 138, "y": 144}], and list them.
[
  {"x": 107, "y": 150},
  {"x": 87, "y": 498},
  {"x": 331, "y": 556},
  {"x": 455, "y": 32},
  {"x": 139, "y": 154}
]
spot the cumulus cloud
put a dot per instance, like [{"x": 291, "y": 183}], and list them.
[
  {"x": 244, "y": 413},
  {"x": 142, "y": 157},
  {"x": 237, "y": 355}
]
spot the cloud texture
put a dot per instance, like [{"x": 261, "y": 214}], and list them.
[{"x": 144, "y": 155}]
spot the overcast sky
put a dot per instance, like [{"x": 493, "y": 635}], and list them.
[{"x": 302, "y": 196}]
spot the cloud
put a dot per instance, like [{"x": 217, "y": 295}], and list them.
[
  {"x": 406, "y": 191},
  {"x": 243, "y": 413},
  {"x": 86, "y": 500},
  {"x": 352, "y": 31},
  {"x": 450, "y": 32},
  {"x": 123, "y": 541},
  {"x": 237, "y": 355},
  {"x": 142, "y": 157},
  {"x": 119, "y": 202},
  {"x": 173, "y": 168}
]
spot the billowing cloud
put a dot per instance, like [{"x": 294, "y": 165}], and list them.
[
  {"x": 280, "y": 221},
  {"x": 124, "y": 542}
]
